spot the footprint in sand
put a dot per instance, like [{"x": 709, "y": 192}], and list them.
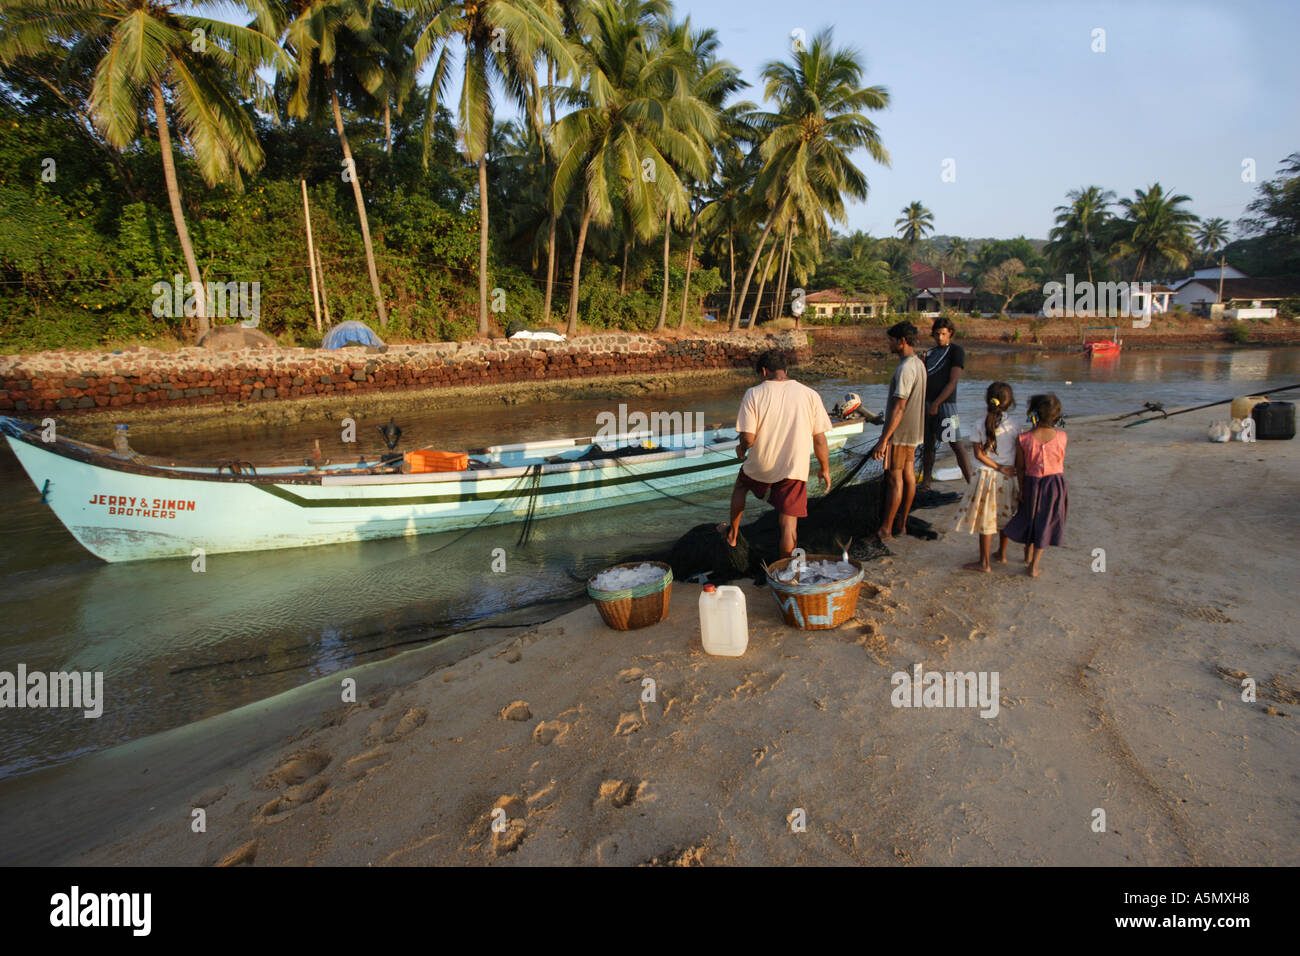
[
  {"x": 364, "y": 764},
  {"x": 516, "y": 710},
  {"x": 508, "y": 840},
  {"x": 630, "y": 674},
  {"x": 292, "y": 798},
  {"x": 391, "y": 728},
  {"x": 689, "y": 856},
  {"x": 628, "y": 724},
  {"x": 757, "y": 684},
  {"x": 543, "y": 798},
  {"x": 620, "y": 793},
  {"x": 244, "y": 856},
  {"x": 549, "y": 731},
  {"x": 505, "y": 822},
  {"x": 297, "y": 768},
  {"x": 511, "y": 654}
]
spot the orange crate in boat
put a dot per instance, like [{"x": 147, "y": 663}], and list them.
[{"x": 422, "y": 461}]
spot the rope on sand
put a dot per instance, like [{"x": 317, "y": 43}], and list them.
[{"x": 1196, "y": 408}]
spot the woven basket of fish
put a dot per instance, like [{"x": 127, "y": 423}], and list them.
[
  {"x": 632, "y": 595},
  {"x": 816, "y": 592}
]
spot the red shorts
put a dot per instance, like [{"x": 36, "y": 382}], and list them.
[{"x": 788, "y": 497}]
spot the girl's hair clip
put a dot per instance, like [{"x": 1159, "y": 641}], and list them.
[{"x": 994, "y": 402}]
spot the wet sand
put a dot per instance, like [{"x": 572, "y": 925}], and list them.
[{"x": 1120, "y": 691}]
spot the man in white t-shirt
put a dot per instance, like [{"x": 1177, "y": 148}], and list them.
[{"x": 781, "y": 424}]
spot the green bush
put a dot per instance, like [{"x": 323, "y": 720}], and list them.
[
  {"x": 1289, "y": 308},
  {"x": 1238, "y": 333}
]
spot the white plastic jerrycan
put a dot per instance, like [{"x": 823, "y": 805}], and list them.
[{"x": 724, "y": 627}]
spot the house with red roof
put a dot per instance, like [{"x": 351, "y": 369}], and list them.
[{"x": 934, "y": 289}]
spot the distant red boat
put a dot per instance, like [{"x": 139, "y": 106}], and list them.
[{"x": 1102, "y": 347}]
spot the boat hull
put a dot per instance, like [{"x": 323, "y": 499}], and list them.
[
  {"x": 119, "y": 514},
  {"x": 1100, "y": 349}
]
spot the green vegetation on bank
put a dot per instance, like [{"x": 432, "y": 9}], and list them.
[{"x": 149, "y": 147}]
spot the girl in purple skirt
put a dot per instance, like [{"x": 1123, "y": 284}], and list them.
[{"x": 1044, "y": 496}]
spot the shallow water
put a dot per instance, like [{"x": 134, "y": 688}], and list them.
[{"x": 175, "y": 646}]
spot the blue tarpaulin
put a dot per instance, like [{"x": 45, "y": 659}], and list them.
[{"x": 350, "y": 333}]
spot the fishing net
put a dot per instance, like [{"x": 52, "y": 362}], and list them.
[{"x": 852, "y": 509}]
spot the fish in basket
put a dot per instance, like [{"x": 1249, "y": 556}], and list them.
[
  {"x": 816, "y": 592},
  {"x": 632, "y": 595}
]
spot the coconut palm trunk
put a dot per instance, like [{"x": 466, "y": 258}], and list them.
[
  {"x": 482, "y": 246},
  {"x": 551, "y": 227},
  {"x": 622, "y": 278},
  {"x": 762, "y": 283},
  {"x": 663, "y": 302},
  {"x": 731, "y": 273},
  {"x": 178, "y": 214},
  {"x": 550, "y": 270},
  {"x": 572, "y": 329},
  {"x": 778, "y": 305},
  {"x": 749, "y": 273},
  {"x": 1137, "y": 276},
  {"x": 361, "y": 203},
  {"x": 690, "y": 255},
  {"x": 388, "y": 128}
]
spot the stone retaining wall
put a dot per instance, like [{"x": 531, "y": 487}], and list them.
[
  {"x": 73, "y": 382},
  {"x": 1057, "y": 333}
]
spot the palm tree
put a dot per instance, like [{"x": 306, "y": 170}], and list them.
[
  {"x": 914, "y": 223},
  {"x": 949, "y": 260},
  {"x": 695, "y": 84},
  {"x": 389, "y": 27},
  {"x": 708, "y": 81},
  {"x": 626, "y": 136},
  {"x": 728, "y": 208},
  {"x": 501, "y": 40},
  {"x": 145, "y": 54},
  {"x": 1081, "y": 228},
  {"x": 1155, "y": 226},
  {"x": 817, "y": 124},
  {"x": 565, "y": 11},
  {"x": 333, "y": 42},
  {"x": 1212, "y": 235}
]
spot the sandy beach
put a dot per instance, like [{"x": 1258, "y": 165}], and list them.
[{"x": 1119, "y": 690}]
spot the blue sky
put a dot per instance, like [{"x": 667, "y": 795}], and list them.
[{"x": 1013, "y": 93}]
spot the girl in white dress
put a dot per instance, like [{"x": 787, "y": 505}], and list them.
[{"x": 992, "y": 495}]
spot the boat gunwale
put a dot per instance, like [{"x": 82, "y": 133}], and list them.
[{"x": 100, "y": 457}]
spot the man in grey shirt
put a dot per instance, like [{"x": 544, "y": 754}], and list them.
[{"x": 904, "y": 430}]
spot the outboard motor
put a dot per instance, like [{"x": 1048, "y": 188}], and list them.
[{"x": 392, "y": 433}]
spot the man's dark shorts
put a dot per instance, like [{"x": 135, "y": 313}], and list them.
[
  {"x": 934, "y": 425},
  {"x": 788, "y": 497}
]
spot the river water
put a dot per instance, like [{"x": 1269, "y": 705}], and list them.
[{"x": 175, "y": 646}]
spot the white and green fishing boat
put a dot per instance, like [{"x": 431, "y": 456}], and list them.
[{"x": 133, "y": 507}]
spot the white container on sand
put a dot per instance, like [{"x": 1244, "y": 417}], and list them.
[{"x": 724, "y": 626}]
